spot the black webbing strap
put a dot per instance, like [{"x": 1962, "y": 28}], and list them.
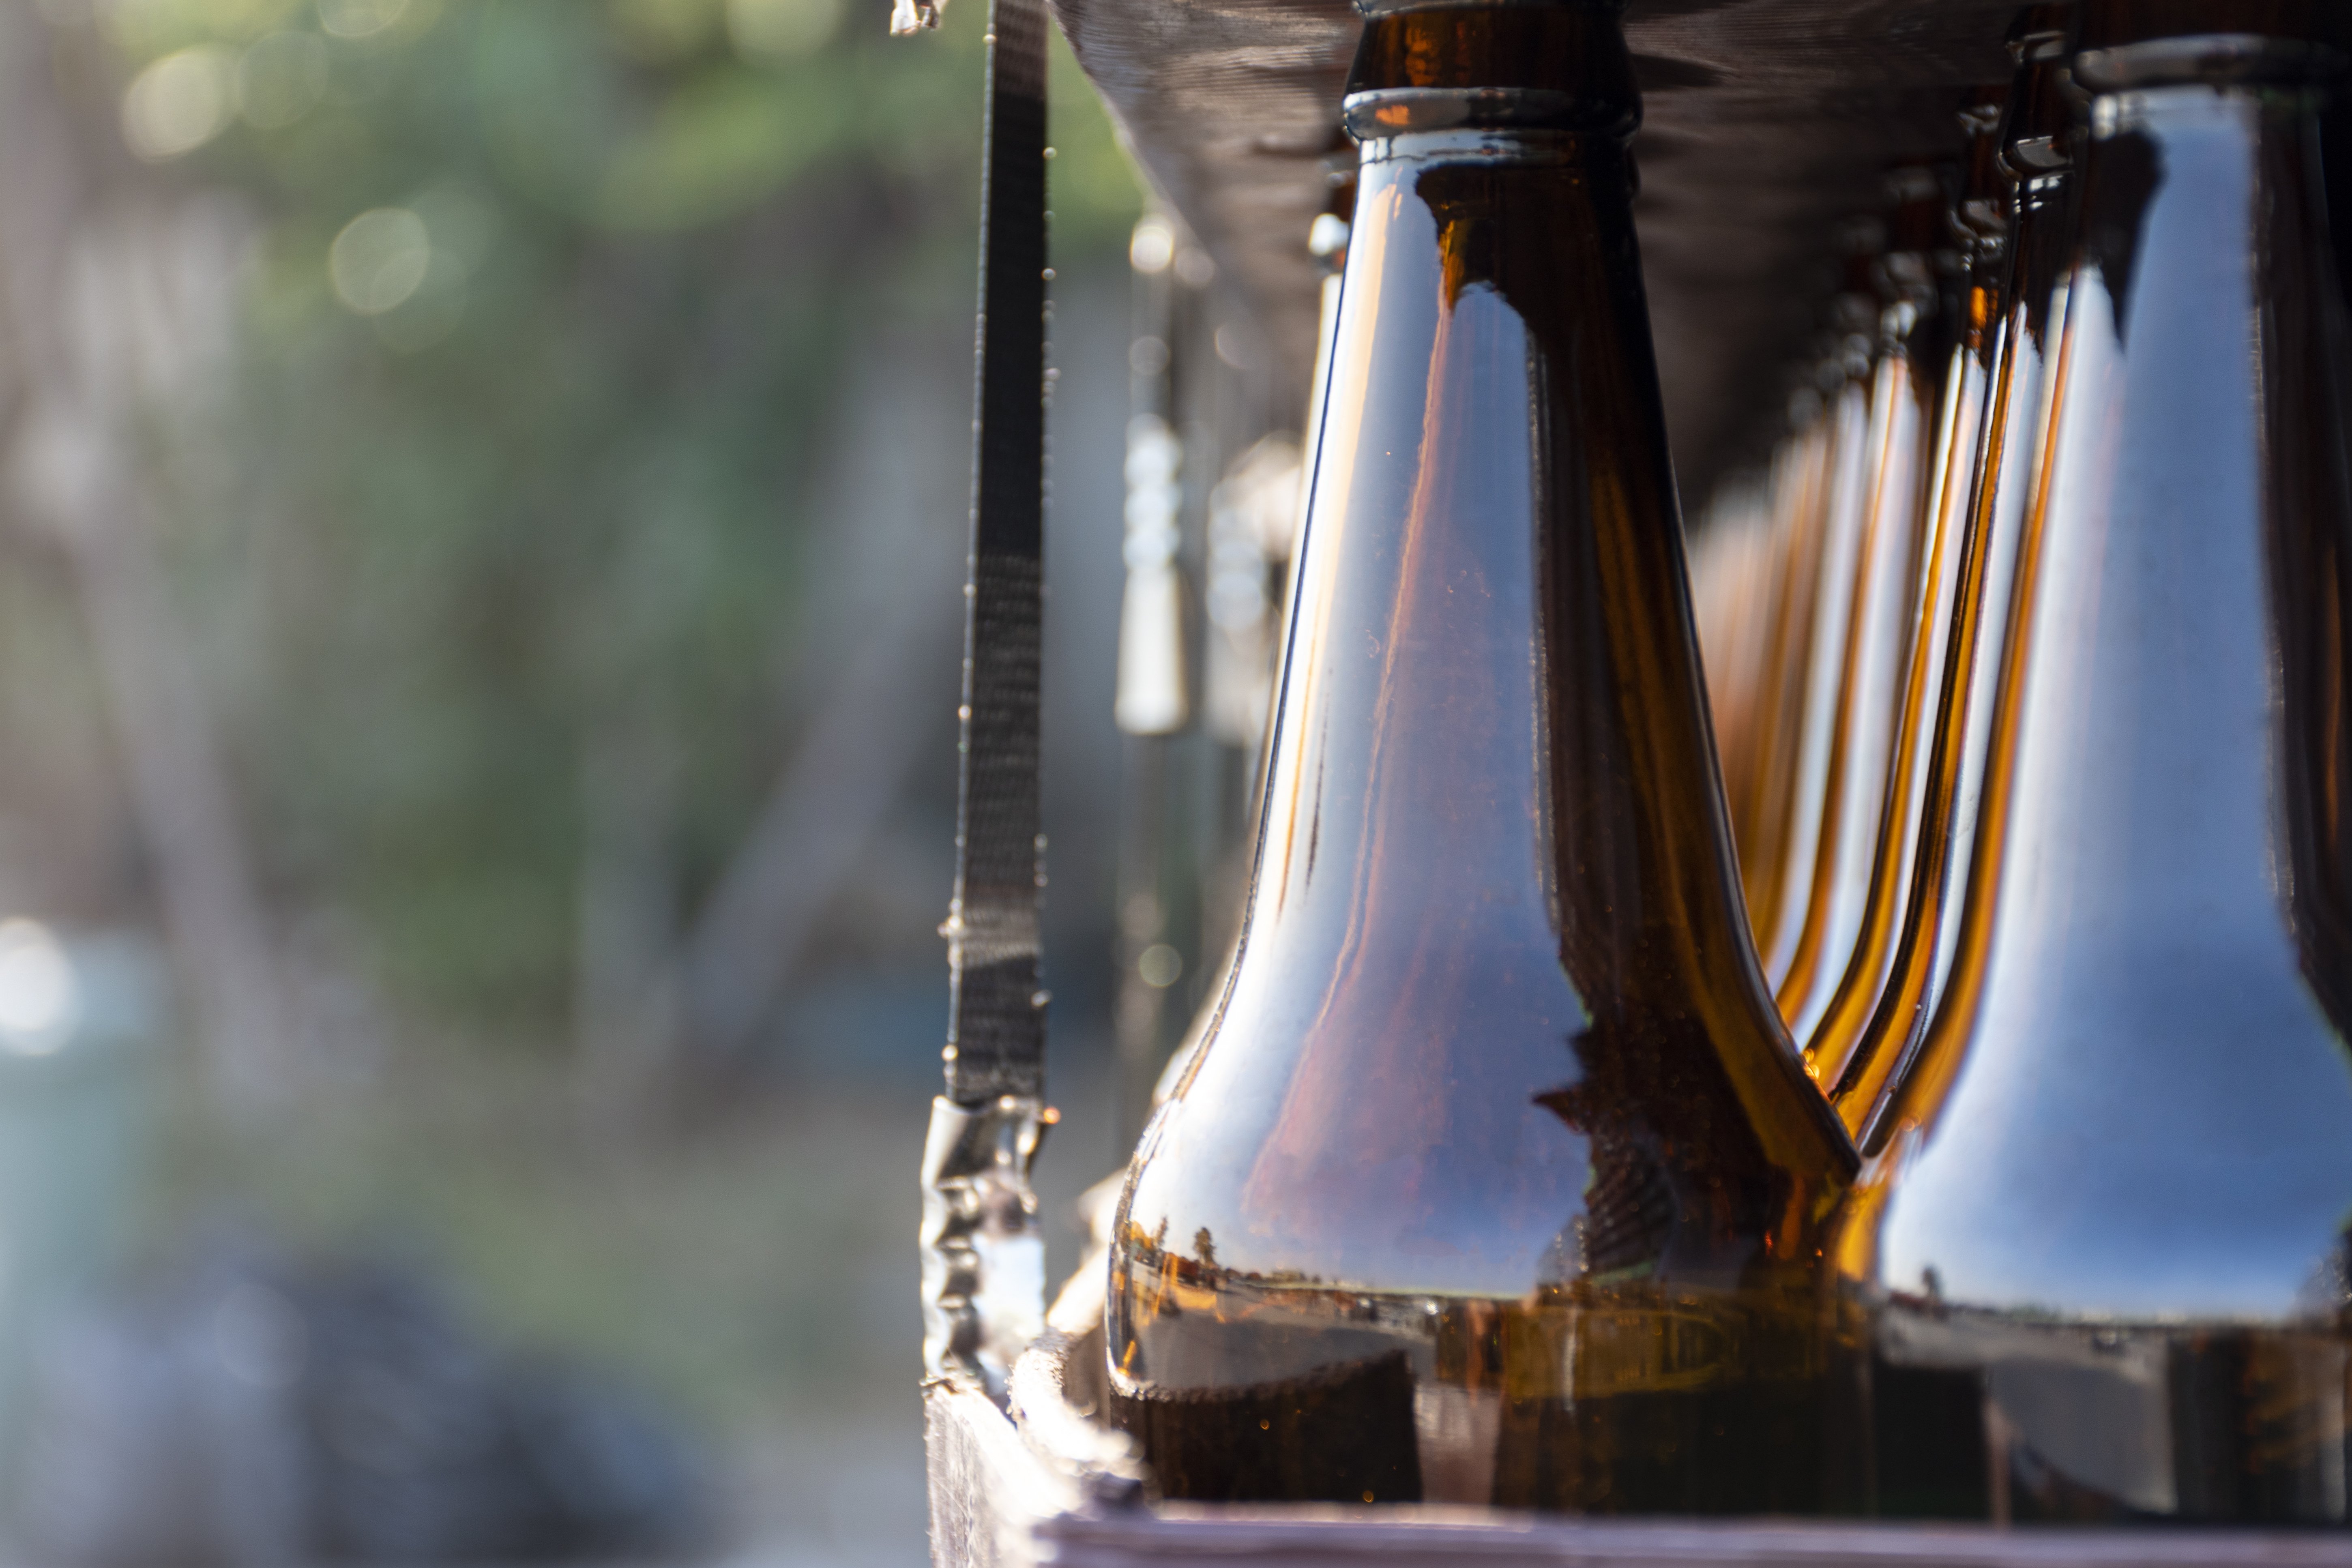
[{"x": 996, "y": 1021}]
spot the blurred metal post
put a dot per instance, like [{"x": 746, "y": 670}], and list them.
[
  {"x": 983, "y": 1260},
  {"x": 1153, "y": 699}
]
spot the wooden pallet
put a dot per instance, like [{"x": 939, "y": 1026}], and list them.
[{"x": 1053, "y": 1488}]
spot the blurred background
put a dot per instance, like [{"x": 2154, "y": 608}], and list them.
[{"x": 482, "y": 493}]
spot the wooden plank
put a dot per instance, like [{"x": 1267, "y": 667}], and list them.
[
  {"x": 1405, "y": 1536},
  {"x": 1061, "y": 1493},
  {"x": 990, "y": 1497}
]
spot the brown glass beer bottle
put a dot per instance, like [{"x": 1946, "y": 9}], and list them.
[
  {"x": 1495, "y": 1178},
  {"x": 1865, "y": 697},
  {"x": 1856, "y": 1063},
  {"x": 1759, "y": 768},
  {"x": 1825, "y": 568},
  {"x": 1979, "y": 222},
  {"x": 2100, "y": 1268}
]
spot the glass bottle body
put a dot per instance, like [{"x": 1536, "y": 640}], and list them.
[
  {"x": 1825, "y": 565},
  {"x": 2099, "y": 1268},
  {"x": 1878, "y": 629},
  {"x": 1973, "y": 357},
  {"x": 1760, "y": 771},
  {"x": 1734, "y": 566},
  {"x": 1495, "y": 1179},
  {"x": 1959, "y": 658}
]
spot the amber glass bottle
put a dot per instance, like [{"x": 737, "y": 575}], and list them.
[
  {"x": 1761, "y": 771},
  {"x": 1979, "y": 225},
  {"x": 1823, "y": 568},
  {"x": 1495, "y": 1178},
  {"x": 2008, "y": 487},
  {"x": 1881, "y": 588},
  {"x": 1731, "y": 570},
  {"x": 2099, "y": 1267}
]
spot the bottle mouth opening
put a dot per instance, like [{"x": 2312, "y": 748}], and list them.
[{"x": 2214, "y": 59}]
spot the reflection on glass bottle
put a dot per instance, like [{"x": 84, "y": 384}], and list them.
[
  {"x": 2098, "y": 1267},
  {"x": 1495, "y": 1178},
  {"x": 1733, "y": 563}
]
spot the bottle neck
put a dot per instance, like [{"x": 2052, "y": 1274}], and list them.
[
  {"x": 1560, "y": 65},
  {"x": 1491, "y": 784},
  {"x": 2038, "y": 154},
  {"x": 1415, "y": 701}
]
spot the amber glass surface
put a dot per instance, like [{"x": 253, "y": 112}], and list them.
[
  {"x": 1829, "y": 1030},
  {"x": 2008, "y": 483},
  {"x": 1760, "y": 775},
  {"x": 1733, "y": 567},
  {"x": 2099, "y": 1267},
  {"x": 1879, "y": 620},
  {"x": 1824, "y": 565},
  {"x": 1495, "y": 1178}
]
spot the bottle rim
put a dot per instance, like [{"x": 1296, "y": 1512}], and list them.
[
  {"x": 2212, "y": 58},
  {"x": 1381, "y": 114}
]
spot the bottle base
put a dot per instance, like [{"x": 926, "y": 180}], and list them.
[
  {"x": 1619, "y": 1400},
  {"x": 1976, "y": 1414}
]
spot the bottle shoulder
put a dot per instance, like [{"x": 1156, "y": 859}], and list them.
[
  {"x": 2152, "y": 1139},
  {"x": 1457, "y": 1120}
]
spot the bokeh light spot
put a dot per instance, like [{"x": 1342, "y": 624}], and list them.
[
  {"x": 1160, "y": 966},
  {"x": 178, "y": 103},
  {"x": 379, "y": 259},
  {"x": 39, "y": 999},
  {"x": 1152, "y": 246}
]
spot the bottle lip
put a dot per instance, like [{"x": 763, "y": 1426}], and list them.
[
  {"x": 2029, "y": 158},
  {"x": 2035, "y": 48},
  {"x": 1483, "y": 143},
  {"x": 1378, "y": 113},
  {"x": 2215, "y": 58}
]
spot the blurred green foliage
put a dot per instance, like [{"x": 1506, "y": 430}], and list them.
[{"x": 541, "y": 332}]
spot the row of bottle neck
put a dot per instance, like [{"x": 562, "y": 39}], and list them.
[{"x": 1860, "y": 602}]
